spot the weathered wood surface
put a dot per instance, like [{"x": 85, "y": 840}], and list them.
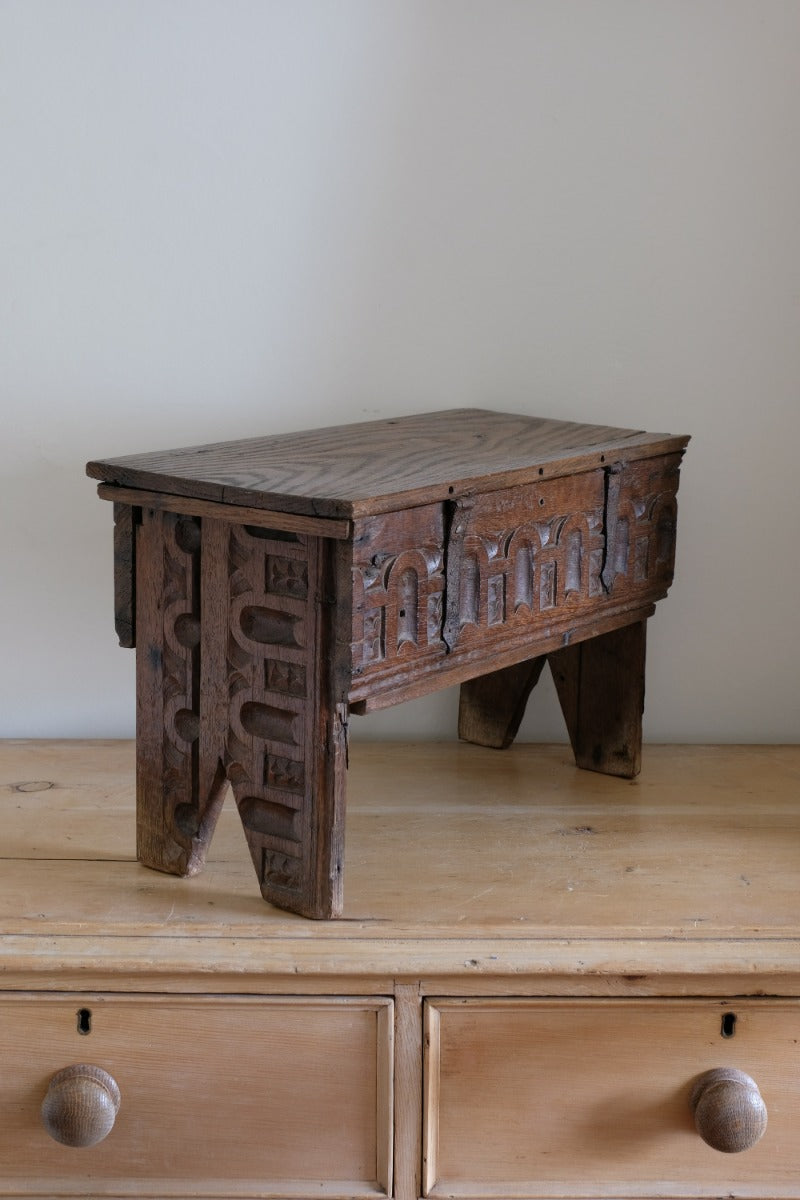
[
  {"x": 492, "y": 706},
  {"x": 259, "y": 630},
  {"x": 377, "y": 466},
  {"x": 443, "y": 592},
  {"x": 174, "y": 821},
  {"x": 461, "y": 668},
  {"x": 125, "y": 518},
  {"x": 235, "y": 514},
  {"x": 237, "y": 681},
  {"x": 496, "y": 872},
  {"x": 600, "y": 684}
]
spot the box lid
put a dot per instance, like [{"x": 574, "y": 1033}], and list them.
[{"x": 377, "y": 466}]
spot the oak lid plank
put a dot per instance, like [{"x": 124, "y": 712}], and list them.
[
  {"x": 377, "y": 466},
  {"x": 260, "y": 517}
]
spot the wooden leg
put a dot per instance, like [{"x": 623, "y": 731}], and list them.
[
  {"x": 286, "y": 745},
  {"x": 600, "y": 685},
  {"x": 491, "y": 707},
  {"x": 236, "y": 683},
  {"x": 176, "y": 810}
]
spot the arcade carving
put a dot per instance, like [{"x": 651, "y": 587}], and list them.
[{"x": 508, "y": 561}]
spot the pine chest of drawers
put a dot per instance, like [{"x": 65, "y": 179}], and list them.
[{"x": 478, "y": 1028}]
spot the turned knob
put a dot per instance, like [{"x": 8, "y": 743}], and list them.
[
  {"x": 81, "y": 1105},
  {"x": 729, "y": 1113}
]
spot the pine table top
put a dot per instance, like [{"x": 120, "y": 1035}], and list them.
[{"x": 467, "y": 868}]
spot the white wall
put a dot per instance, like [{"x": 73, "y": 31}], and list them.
[{"x": 224, "y": 217}]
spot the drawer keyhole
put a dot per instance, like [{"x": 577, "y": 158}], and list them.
[
  {"x": 728, "y": 1024},
  {"x": 84, "y": 1021}
]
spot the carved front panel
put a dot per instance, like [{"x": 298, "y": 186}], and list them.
[
  {"x": 524, "y": 555},
  {"x": 432, "y": 583}
]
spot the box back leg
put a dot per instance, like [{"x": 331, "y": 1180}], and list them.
[
  {"x": 600, "y": 684},
  {"x": 491, "y": 707}
]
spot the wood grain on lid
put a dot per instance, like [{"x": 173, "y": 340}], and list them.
[{"x": 378, "y": 466}]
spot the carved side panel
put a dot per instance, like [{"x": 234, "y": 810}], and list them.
[
  {"x": 285, "y": 749},
  {"x": 171, "y": 808},
  {"x": 271, "y": 658},
  {"x": 236, "y": 661},
  {"x": 181, "y": 608}
]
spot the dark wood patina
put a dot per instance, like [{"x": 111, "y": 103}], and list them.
[{"x": 275, "y": 586}]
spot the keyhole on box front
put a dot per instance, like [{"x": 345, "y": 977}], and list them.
[
  {"x": 728, "y": 1024},
  {"x": 84, "y": 1020}
]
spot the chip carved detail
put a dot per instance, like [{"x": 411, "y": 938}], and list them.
[
  {"x": 180, "y": 669},
  {"x": 401, "y": 598},
  {"x": 269, "y": 656},
  {"x": 514, "y": 560},
  {"x": 253, "y": 607}
]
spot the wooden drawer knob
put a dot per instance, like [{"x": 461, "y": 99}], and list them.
[
  {"x": 81, "y": 1105},
  {"x": 729, "y": 1113}
]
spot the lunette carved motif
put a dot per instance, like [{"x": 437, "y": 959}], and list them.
[
  {"x": 270, "y": 664},
  {"x": 487, "y": 574},
  {"x": 181, "y": 671}
]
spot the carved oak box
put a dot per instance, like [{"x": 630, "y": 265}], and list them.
[{"x": 276, "y": 585}]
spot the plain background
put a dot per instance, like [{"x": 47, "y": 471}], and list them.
[{"x": 220, "y": 218}]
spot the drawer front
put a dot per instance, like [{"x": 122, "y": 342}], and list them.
[
  {"x": 591, "y": 1098},
  {"x": 225, "y": 1097}
]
